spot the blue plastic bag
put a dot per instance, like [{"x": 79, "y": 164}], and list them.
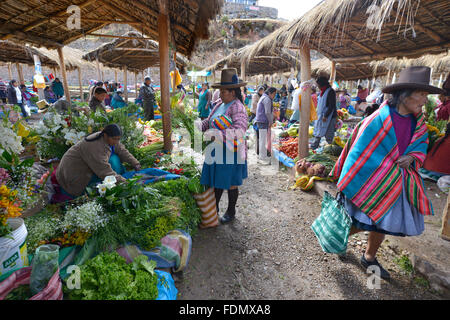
[{"x": 166, "y": 286}]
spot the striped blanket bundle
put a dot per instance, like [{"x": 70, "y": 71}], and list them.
[{"x": 366, "y": 170}]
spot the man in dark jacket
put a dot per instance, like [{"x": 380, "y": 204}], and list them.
[
  {"x": 147, "y": 95},
  {"x": 326, "y": 113},
  {"x": 58, "y": 88}
]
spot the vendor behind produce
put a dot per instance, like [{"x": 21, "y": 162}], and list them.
[
  {"x": 89, "y": 161},
  {"x": 97, "y": 100}
]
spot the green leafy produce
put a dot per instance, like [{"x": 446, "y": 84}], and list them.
[
  {"x": 22, "y": 292},
  {"x": 190, "y": 213},
  {"x": 109, "y": 277},
  {"x": 333, "y": 150}
]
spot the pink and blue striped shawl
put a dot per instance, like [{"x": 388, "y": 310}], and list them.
[
  {"x": 368, "y": 174},
  {"x": 238, "y": 115}
]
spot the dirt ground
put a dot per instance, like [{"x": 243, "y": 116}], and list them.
[{"x": 270, "y": 252}]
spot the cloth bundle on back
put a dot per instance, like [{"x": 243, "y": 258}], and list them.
[{"x": 377, "y": 171}]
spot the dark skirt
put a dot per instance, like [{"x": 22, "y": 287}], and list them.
[{"x": 224, "y": 175}]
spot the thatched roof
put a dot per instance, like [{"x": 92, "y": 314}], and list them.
[
  {"x": 439, "y": 63},
  {"x": 347, "y": 71},
  {"x": 265, "y": 63},
  {"x": 44, "y": 23},
  {"x": 136, "y": 54},
  {"x": 14, "y": 52},
  {"x": 244, "y": 26},
  {"x": 366, "y": 30}
]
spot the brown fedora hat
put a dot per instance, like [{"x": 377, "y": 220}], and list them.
[
  {"x": 229, "y": 80},
  {"x": 413, "y": 78}
]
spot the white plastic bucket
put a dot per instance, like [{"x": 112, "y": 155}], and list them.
[{"x": 13, "y": 252}]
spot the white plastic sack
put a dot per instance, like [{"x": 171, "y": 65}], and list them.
[{"x": 444, "y": 183}]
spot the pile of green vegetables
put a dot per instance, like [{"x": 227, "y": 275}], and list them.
[{"x": 109, "y": 277}]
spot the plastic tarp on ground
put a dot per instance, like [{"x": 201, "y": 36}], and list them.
[
  {"x": 284, "y": 159},
  {"x": 150, "y": 175}
]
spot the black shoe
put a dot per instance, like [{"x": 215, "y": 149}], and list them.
[
  {"x": 383, "y": 273},
  {"x": 226, "y": 218}
]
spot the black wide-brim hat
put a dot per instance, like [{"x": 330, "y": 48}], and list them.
[
  {"x": 229, "y": 80},
  {"x": 413, "y": 78}
]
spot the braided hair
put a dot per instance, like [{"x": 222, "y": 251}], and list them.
[{"x": 111, "y": 130}]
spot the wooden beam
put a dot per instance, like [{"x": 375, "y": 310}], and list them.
[
  {"x": 63, "y": 12},
  {"x": 62, "y": 65},
  {"x": 119, "y": 37},
  {"x": 135, "y": 86},
  {"x": 80, "y": 82},
  {"x": 115, "y": 75},
  {"x": 32, "y": 38},
  {"x": 102, "y": 21},
  {"x": 303, "y": 135},
  {"x": 136, "y": 49},
  {"x": 163, "y": 30}
]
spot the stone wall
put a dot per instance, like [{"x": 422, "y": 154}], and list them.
[{"x": 238, "y": 10}]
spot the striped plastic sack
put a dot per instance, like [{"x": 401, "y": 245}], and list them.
[
  {"x": 53, "y": 290},
  {"x": 206, "y": 201},
  {"x": 332, "y": 227}
]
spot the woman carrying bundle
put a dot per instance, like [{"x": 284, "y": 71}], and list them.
[{"x": 377, "y": 171}]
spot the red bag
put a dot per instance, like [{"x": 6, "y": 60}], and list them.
[{"x": 53, "y": 290}]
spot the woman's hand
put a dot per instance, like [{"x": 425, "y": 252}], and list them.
[
  {"x": 404, "y": 161},
  {"x": 138, "y": 167}
]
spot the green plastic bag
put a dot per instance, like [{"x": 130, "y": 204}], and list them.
[
  {"x": 44, "y": 266},
  {"x": 332, "y": 226}
]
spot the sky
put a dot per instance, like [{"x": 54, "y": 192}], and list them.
[{"x": 290, "y": 9}]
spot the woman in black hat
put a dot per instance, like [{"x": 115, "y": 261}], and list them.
[
  {"x": 225, "y": 166},
  {"x": 377, "y": 171}
]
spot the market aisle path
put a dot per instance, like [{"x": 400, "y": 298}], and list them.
[{"x": 270, "y": 252}]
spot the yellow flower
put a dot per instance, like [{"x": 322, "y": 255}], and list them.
[
  {"x": 22, "y": 131},
  {"x": 4, "y": 190},
  {"x": 89, "y": 129}
]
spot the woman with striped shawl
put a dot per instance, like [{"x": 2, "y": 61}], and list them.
[{"x": 377, "y": 171}]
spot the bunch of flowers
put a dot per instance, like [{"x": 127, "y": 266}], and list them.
[
  {"x": 9, "y": 140},
  {"x": 108, "y": 183},
  {"x": 9, "y": 208},
  {"x": 86, "y": 218},
  {"x": 4, "y": 176}
]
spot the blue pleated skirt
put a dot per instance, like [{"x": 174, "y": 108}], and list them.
[
  {"x": 402, "y": 220},
  {"x": 226, "y": 174}
]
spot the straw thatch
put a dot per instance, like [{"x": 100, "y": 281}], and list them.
[
  {"x": 136, "y": 54},
  {"x": 366, "y": 30},
  {"x": 16, "y": 53},
  {"x": 439, "y": 63},
  {"x": 276, "y": 61},
  {"x": 44, "y": 23},
  {"x": 347, "y": 71},
  {"x": 73, "y": 58}
]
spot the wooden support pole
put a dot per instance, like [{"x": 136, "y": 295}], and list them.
[
  {"x": 125, "y": 84},
  {"x": 440, "y": 80},
  {"x": 80, "y": 82},
  {"x": 20, "y": 73},
  {"x": 333, "y": 72},
  {"x": 99, "y": 75},
  {"x": 388, "y": 77},
  {"x": 135, "y": 86},
  {"x": 243, "y": 70},
  {"x": 62, "y": 65},
  {"x": 303, "y": 135},
  {"x": 115, "y": 75},
  {"x": 10, "y": 71},
  {"x": 163, "y": 30},
  {"x": 174, "y": 80}
]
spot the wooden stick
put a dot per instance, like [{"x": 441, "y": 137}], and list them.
[
  {"x": 303, "y": 135},
  {"x": 164, "y": 73},
  {"x": 135, "y": 86},
  {"x": 62, "y": 65},
  {"x": 333, "y": 72},
  {"x": 445, "y": 231},
  {"x": 120, "y": 37},
  {"x": 99, "y": 76},
  {"x": 80, "y": 82},
  {"x": 125, "y": 80},
  {"x": 10, "y": 71}
]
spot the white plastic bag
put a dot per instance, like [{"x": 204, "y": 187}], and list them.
[{"x": 444, "y": 183}]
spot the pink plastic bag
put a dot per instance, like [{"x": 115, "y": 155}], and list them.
[{"x": 53, "y": 290}]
